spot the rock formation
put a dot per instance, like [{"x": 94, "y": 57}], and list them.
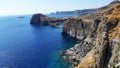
[
  {"x": 40, "y": 19},
  {"x": 99, "y": 35}
]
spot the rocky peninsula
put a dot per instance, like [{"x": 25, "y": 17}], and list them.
[{"x": 40, "y": 19}]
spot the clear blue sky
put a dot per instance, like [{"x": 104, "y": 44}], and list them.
[{"x": 17, "y": 7}]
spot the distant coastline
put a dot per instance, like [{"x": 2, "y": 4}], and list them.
[{"x": 76, "y": 12}]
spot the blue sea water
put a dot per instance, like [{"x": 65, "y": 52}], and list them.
[{"x": 26, "y": 46}]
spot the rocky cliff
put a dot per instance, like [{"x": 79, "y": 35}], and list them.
[
  {"x": 99, "y": 35},
  {"x": 40, "y": 19}
]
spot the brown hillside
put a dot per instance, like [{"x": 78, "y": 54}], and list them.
[{"x": 113, "y": 16}]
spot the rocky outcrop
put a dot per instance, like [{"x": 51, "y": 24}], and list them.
[
  {"x": 40, "y": 19},
  {"x": 99, "y": 35}
]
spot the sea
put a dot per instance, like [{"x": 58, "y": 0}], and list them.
[{"x": 23, "y": 45}]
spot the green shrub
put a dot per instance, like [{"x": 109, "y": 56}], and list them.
[{"x": 112, "y": 64}]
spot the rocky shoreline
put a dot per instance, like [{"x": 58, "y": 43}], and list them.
[
  {"x": 83, "y": 31},
  {"x": 98, "y": 33}
]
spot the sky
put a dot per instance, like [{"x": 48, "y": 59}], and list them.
[{"x": 20, "y": 7}]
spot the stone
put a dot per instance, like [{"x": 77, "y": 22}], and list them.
[{"x": 117, "y": 65}]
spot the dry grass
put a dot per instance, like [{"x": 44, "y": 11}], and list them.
[
  {"x": 114, "y": 15},
  {"x": 88, "y": 60},
  {"x": 114, "y": 33}
]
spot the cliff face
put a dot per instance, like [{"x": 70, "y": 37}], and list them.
[
  {"x": 79, "y": 28},
  {"x": 114, "y": 36},
  {"x": 106, "y": 51},
  {"x": 74, "y": 26},
  {"x": 99, "y": 34},
  {"x": 83, "y": 30}
]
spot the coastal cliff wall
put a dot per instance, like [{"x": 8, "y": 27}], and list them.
[
  {"x": 85, "y": 31},
  {"x": 99, "y": 35}
]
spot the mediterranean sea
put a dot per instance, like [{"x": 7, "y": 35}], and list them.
[{"x": 23, "y": 45}]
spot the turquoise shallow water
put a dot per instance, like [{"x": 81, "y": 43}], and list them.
[{"x": 26, "y": 46}]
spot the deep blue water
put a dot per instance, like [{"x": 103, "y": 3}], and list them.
[{"x": 26, "y": 46}]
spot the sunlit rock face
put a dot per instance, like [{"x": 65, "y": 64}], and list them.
[{"x": 99, "y": 35}]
